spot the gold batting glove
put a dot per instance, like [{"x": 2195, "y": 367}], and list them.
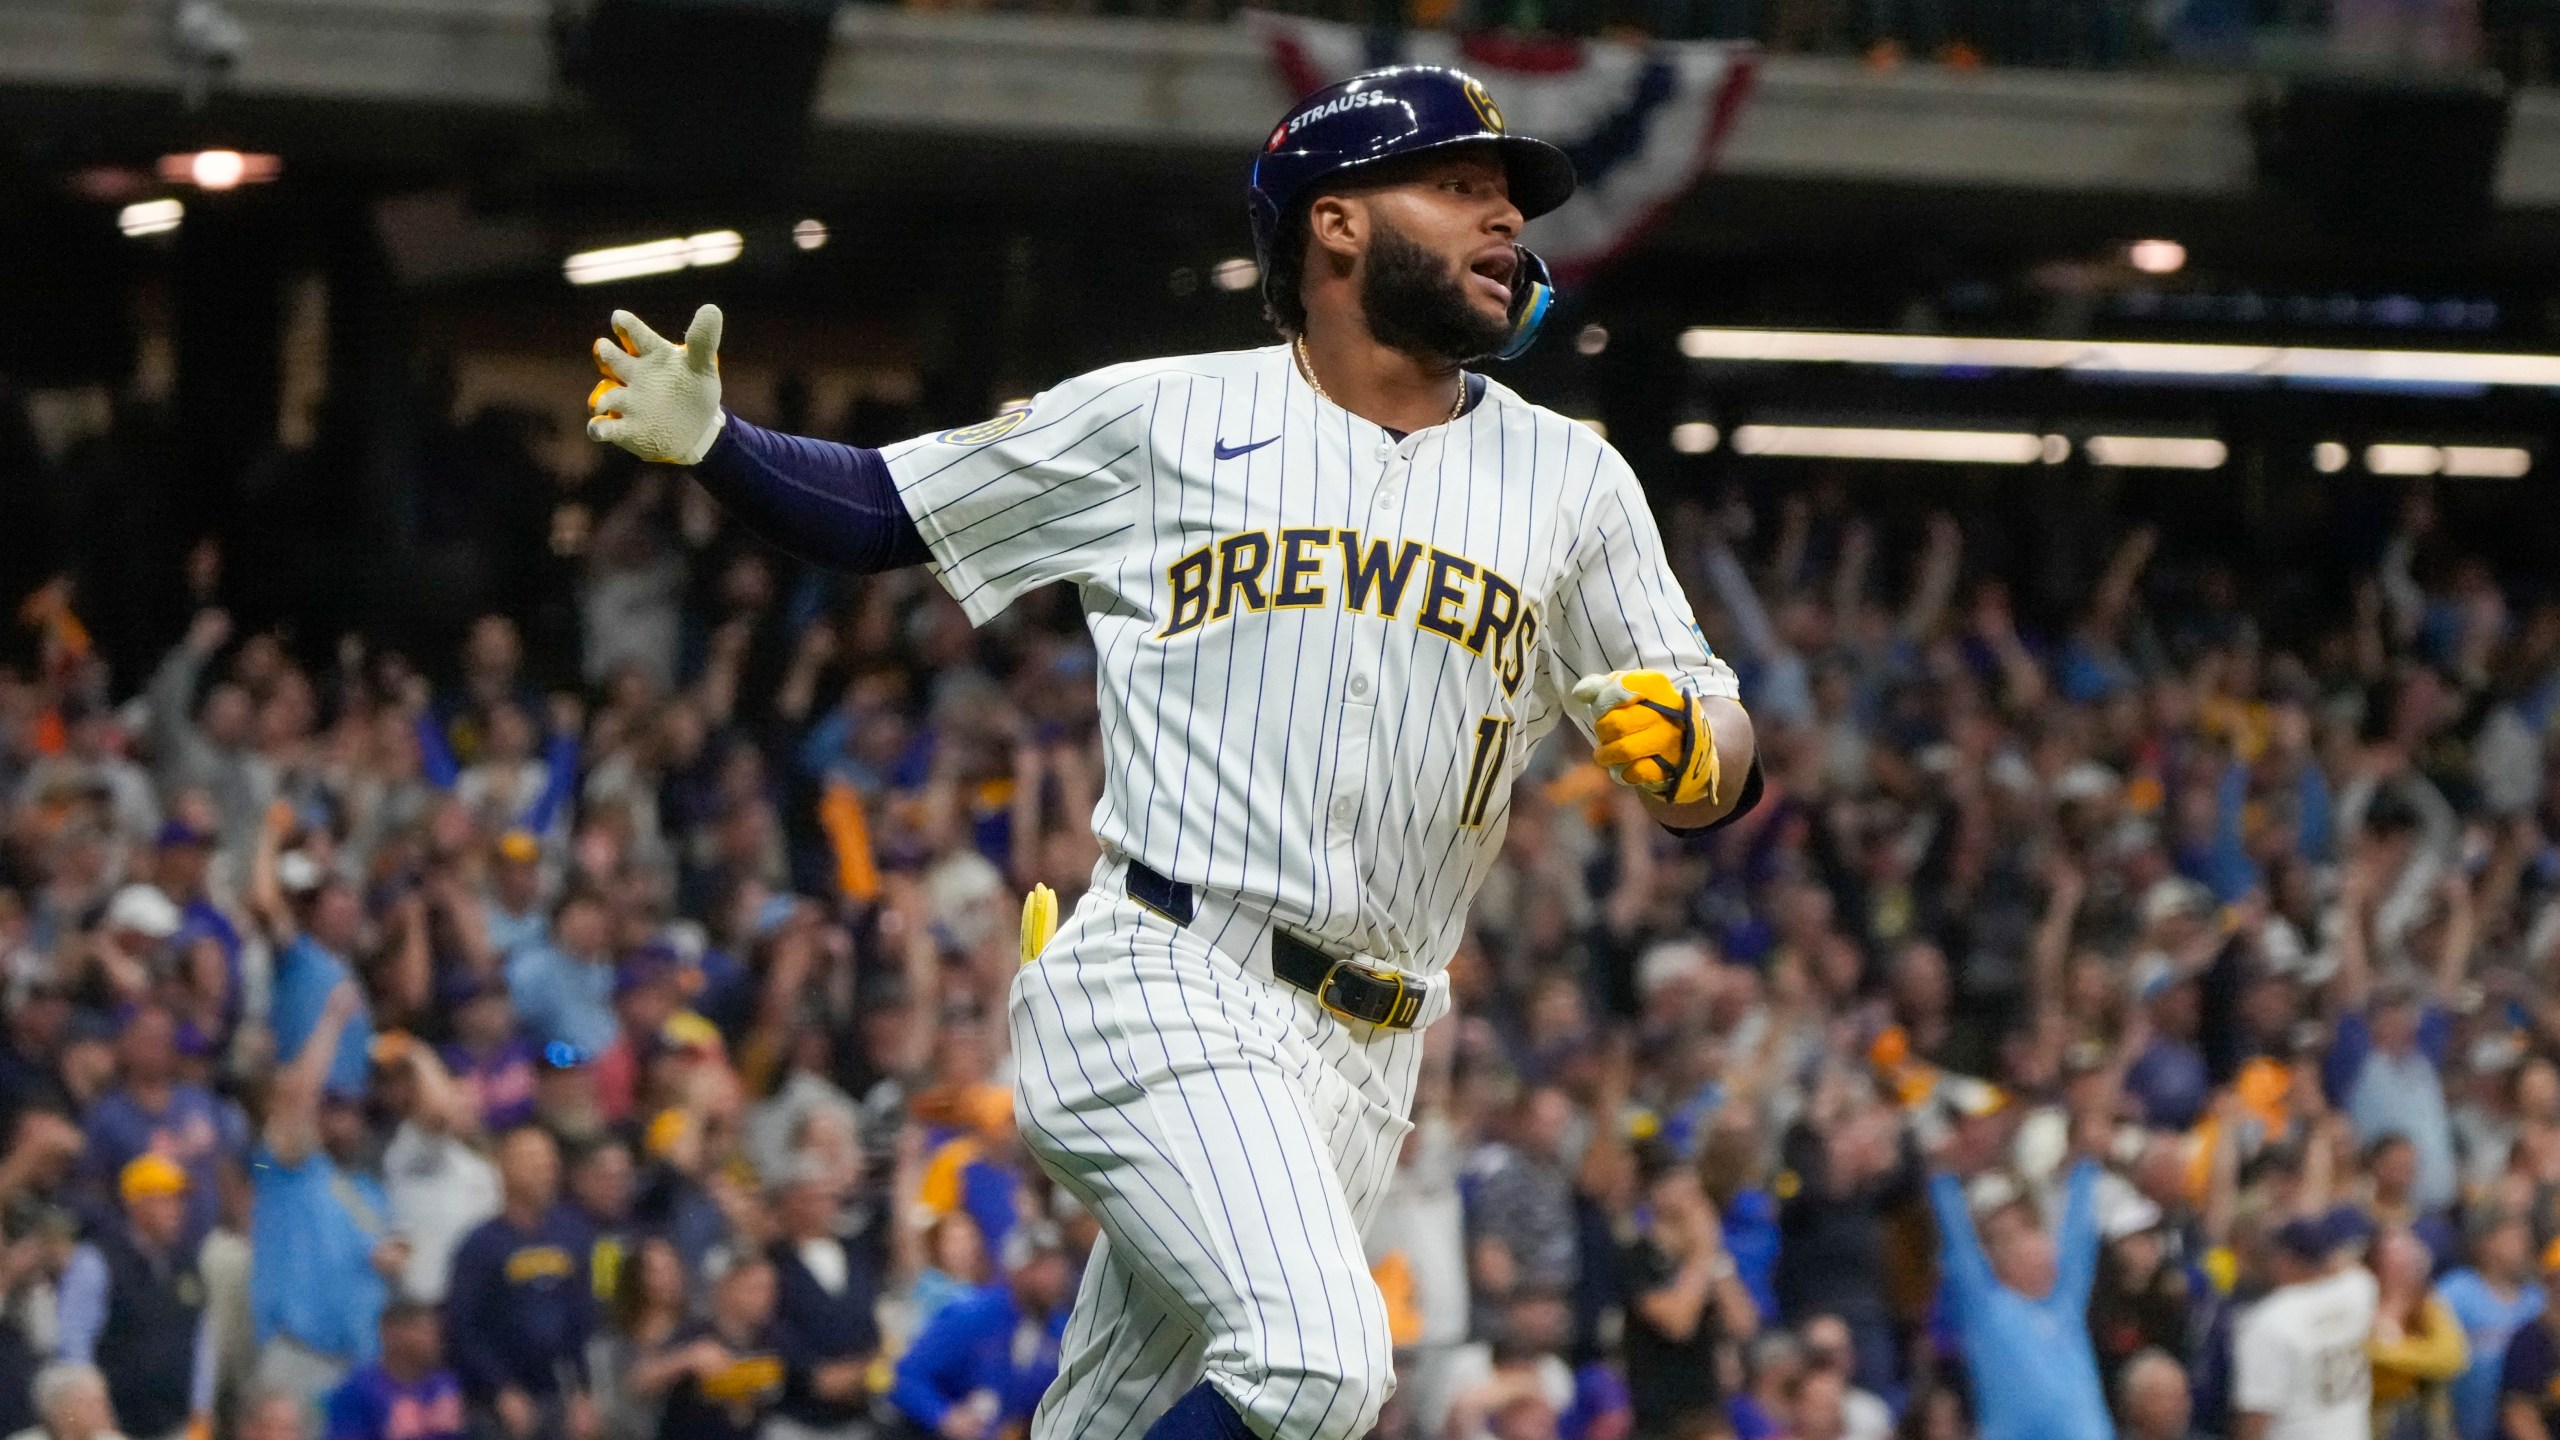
[
  {"x": 658, "y": 400},
  {"x": 1039, "y": 921},
  {"x": 1653, "y": 735}
]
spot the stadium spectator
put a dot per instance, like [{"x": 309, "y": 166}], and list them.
[
  {"x": 981, "y": 1366},
  {"x": 2141, "y": 1301},
  {"x": 2151, "y": 1395},
  {"x": 1685, "y": 1302},
  {"x": 2418, "y": 1345},
  {"x": 521, "y": 1302},
  {"x": 2529, "y": 1379},
  {"x": 323, "y": 1257},
  {"x": 1523, "y": 1360},
  {"x": 829, "y": 1292},
  {"x": 1828, "y": 1345},
  {"x": 406, "y": 1394},
  {"x": 440, "y": 1185},
  {"x": 1817, "y": 1406},
  {"x": 274, "y": 1415},
  {"x": 71, "y": 1404},
  {"x": 2495, "y": 1296},
  {"x": 1847, "y": 1167},
  {"x": 488, "y": 1058},
  {"x": 1521, "y": 1233},
  {"x": 650, "y": 1305},
  {"x": 131, "y": 1303},
  {"x": 730, "y": 1370},
  {"x": 600, "y": 1200},
  {"x": 314, "y": 921},
  {"x": 2018, "y": 1298},
  {"x": 152, "y": 1111},
  {"x": 563, "y": 987},
  {"x": 1773, "y": 1363},
  {"x": 2383, "y": 1065}
]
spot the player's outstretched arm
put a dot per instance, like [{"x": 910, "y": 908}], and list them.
[{"x": 831, "y": 505}]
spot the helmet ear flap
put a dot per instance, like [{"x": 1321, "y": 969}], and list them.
[{"x": 1533, "y": 294}]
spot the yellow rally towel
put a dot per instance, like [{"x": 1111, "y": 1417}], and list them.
[
  {"x": 849, "y": 835},
  {"x": 938, "y": 1188},
  {"x": 1394, "y": 1275}
]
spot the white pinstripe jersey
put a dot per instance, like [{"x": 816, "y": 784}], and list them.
[{"x": 1324, "y": 651}]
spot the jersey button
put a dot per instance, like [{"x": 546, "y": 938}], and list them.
[
  {"x": 1359, "y": 685},
  {"x": 1343, "y": 809},
  {"x": 1386, "y": 499}
]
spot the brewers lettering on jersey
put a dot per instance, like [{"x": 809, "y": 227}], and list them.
[{"x": 1339, "y": 588}]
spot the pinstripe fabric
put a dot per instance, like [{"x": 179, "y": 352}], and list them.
[
  {"x": 1322, "y": 762},
  {"x": 1206, "y": 1118},
  {"x": 1325, "y": 652}
]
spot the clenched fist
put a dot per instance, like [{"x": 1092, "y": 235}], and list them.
[{"x": 1653, "y": 735}]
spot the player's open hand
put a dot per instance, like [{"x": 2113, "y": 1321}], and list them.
[{"x": 658, "y": 400}]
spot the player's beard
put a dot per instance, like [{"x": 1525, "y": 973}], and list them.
[{"x": 1415, "y": 305}]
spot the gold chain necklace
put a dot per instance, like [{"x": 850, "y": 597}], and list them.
[{"x": 1307, "y": 367}]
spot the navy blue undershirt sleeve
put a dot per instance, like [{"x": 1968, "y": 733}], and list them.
[{"x": 829, "y": 504}]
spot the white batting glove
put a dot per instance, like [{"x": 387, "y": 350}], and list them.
[{"x": 659, "y": 400}]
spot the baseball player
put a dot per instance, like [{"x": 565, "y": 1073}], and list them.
[
  {"x": 1339, "y": 587},
  {"x": 2300, "y": 1369}
]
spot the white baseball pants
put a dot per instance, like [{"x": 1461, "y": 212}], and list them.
[{"x": 1232, "y": 1139}]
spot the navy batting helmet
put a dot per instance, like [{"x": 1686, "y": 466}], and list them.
[{"x": 1389, "y": 114}]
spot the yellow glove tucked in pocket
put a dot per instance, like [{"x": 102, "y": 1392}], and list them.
[
  {"x": 1039, "y": 921},
  {"x": 1653, "y": 735}
]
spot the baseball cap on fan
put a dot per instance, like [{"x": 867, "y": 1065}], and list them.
[
  {"x": 2173, "y": 898},
  {"x": 2307, "y": 1237},
  {"x": 143, "y": 910}
]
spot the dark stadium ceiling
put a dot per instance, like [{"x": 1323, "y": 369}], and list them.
[{"x": 1759, "y": 248}]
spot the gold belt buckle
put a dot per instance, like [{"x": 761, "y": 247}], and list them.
[{"x": 1324, "y": 992}]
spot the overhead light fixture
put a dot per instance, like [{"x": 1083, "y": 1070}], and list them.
[
  {"x": 2470, "y": 462},
  {"x": 653, "y": 257},
  {"x": 809, "y": 234},
  {"x": 1236, "y": 274},
  {"x": 1693, "y": 437},
  {"x": 2156, "y": 257},
  {"x": 2329, "y": 457},
  {"x": 150, "y": 217},
  {"x": 2156, "y": 452},
  {"x": 219, "y": 169},
  {"x": 2403, "y": 459},
  {"x": 2486, "y": 462},
  {"x": 1848, "y": 442},
  {"x": 1591, "y": 340},
  {"x": 2124, "y": 357}
]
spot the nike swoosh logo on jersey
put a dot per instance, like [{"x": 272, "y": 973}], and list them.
[{"x": 1229, "y": 452}]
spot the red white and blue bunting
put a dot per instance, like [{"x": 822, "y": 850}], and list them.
[{"x": 1641, "y": 121}]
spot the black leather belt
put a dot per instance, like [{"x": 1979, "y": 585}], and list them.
[{"x": 1346, "y": 988}]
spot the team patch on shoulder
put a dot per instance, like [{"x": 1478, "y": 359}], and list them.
[{"x": 984, "y": 430}]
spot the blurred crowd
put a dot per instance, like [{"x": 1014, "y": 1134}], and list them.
[{"x": 610, "y": 1043}]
